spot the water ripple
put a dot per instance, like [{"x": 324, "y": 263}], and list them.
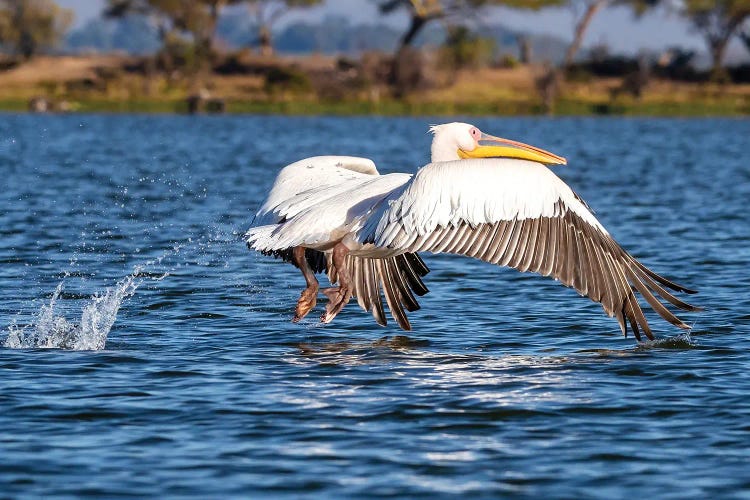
[{"x": 509, "y": 385}]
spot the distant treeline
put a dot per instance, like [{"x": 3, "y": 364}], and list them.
[
  {"x": 144, "y": 26},
  {"x": 133, "y": 34},
  {"x": 184, "y": 42}
]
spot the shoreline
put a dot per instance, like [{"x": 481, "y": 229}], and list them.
[
  {"x": 105, "y": 84},
  {"x": 564, "y": 108}
]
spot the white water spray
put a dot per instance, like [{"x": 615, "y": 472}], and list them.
[{"x": 49, "y": 330}]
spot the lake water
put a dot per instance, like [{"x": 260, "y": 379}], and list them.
[{"x": 509, "y": 385}]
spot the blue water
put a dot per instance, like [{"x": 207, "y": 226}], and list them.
[{"x": 509, "y": 385}]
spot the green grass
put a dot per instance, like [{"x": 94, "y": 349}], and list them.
[
  {"x": 384, "y": 108},
  {"x": 564, "y": 107},
  {"x": 14, "y": 105},
  {"x": 135, "y": 106}
]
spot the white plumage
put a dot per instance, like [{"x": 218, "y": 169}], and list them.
[
  {"x": 508, "y": 211},
  {"x": 473, "y": 192},
  {"x": 304, "y": 178}
]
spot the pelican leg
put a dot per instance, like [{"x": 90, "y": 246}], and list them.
[
  {"x": 338, "y": 296},
  {"x": 309, "y": 296}
]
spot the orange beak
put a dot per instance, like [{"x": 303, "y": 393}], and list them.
[{"x": 506, "y": 148}]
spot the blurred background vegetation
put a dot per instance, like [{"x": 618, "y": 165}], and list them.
[{"x": 239, "y": 55}]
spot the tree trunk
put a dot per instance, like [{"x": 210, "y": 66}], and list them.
[
  {"x": 149, "y": 70},
  {"x": 718, "y": 48},
  {"x": 165, "y": 53},
  {"x": 26, "y": 44},
  {"x": 580, "y": 30},
  {"x": 265, "y": 41},
  {"x": 524, "y": 49},
  {"x": 548, "y": 86},
  {"x": 416, "y": 25},
  {"x": 206, "y": 36},
  {"x": 162, "y": 31},
  {"x": 396, "y": 78}
]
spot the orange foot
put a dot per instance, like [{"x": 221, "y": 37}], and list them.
[
  {"x": 338, "y": 297},
  {"x": 307, "y": 300}
]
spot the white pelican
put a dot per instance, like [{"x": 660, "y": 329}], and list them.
[{"x": 481, "y": 196}]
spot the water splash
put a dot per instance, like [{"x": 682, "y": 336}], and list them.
[
  {"x": 683, "y": 341},
  {"x": 50, "y": 330}
]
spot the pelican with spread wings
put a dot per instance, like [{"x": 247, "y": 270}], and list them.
[{"x": 481, "y": 196}]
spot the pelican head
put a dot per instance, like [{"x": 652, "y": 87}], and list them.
[{"x": 455, "y": 141}]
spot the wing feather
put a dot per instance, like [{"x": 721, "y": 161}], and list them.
[
  {"x": 399, "y": 277},
  {"x": 509, "y": 244},
  {"x": 391, "y": 295},
  {"x": 519, "y": 214},
  {"x": 537, "y": 261},
  {"x": 357, "y": 274},
  {"x": 372, "y": 289},
  {"x": 414, "y": 270},
  {"x": 528, "y": 254},
  {"x": 404, "y": 291}
]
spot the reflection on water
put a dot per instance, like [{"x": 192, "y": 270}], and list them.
[
  {"x": 396, "y": 342},
  {"x": 354, "y": 352},
  {"x": 500, "y": 379}
]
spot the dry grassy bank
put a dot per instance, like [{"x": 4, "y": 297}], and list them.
[{"x": 318, "y": 84}]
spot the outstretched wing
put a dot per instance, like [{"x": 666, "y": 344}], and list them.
[{"x": 519, "y": 214}]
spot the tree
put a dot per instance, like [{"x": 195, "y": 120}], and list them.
[
  {"x": 196, "y": 19},
  {"x": 588, "y": 10},
  {"x": 156, "y": 13},
  {"x": 522, "y": 39},
  {"x": 200, "y": 18},
  {"x": 267, "y": 12},
  {"x": 28, "y": 26},
  {"x": 718, "y": 21},
  {"x": 549, "y": 83},
  {"x": 422, "y": 12}
]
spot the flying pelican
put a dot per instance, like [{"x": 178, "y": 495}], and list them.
[{"x": 481, "y": 196}]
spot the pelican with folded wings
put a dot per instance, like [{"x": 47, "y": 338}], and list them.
[{"x": 481, "y": 196}]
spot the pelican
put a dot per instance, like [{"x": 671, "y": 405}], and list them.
[{"x": 481, "y": 196}]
